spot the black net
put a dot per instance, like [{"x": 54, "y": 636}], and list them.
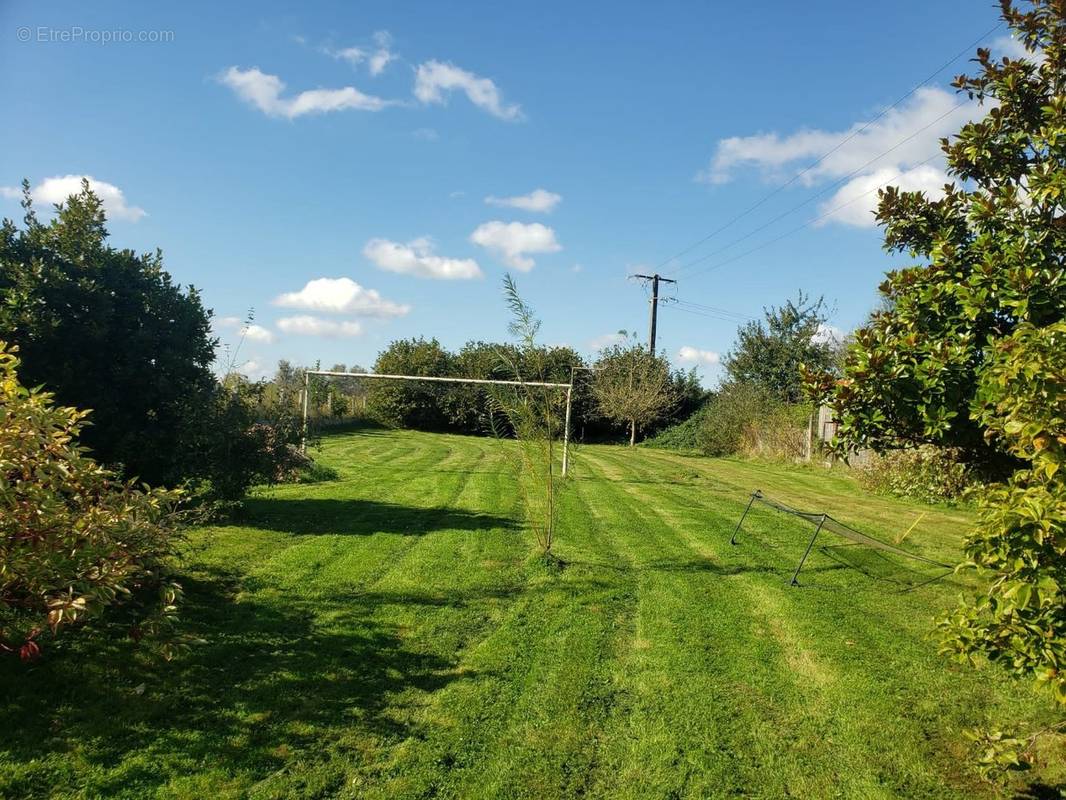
[
  {"x": 830, "y": 525},
  {"x": 869, "y": 555}
]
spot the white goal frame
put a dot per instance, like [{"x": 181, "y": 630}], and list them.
[{"x": 331, "y": 374}]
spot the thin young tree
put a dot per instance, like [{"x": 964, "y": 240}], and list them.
[
  {"x": 534, "y": 416},
  {"x": 632, "y": 386}
]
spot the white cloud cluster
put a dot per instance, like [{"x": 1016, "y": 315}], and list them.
[
  {"x": 539, "y": 200},
  {"x": 1014, "y": 49},
  {"x": 376, "y": 58},
  {"x": 895, "y": 145},
  {"x": 854, "y": 202},
  {"x": 417, "y": 258},
  {"x": 513, "y": 241},
  {"x": 341, "y": 296},
  {"x": 693, "y": 355},
  {"x": 435, "y": 80},
  {"x": 247, "y": 330},
  {"x": 255, "y": 369},
  {"x": 59, "y": 188},
  {"x": 606, "y": 340},
  {"x": 306, "y": 325},
  {"x": 828, "y": 334},
  {"x": 264, "y": 91}
]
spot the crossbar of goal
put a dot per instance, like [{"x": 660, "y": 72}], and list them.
[{"x": 441, "y": 379}]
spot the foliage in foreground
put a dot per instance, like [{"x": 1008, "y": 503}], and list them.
[
  {"x": 969, "y": 350},
  {"x": 74, "y": 540}
]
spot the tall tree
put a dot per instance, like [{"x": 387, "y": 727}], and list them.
[
  {"x": 770, "y": 352},
  {"x": 970, "y": 346},
  {"x": 108, "y": 330}
]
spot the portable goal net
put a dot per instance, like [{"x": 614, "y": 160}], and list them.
[{"x": 894, "y": 559}]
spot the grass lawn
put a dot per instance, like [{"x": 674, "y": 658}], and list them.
[{"x": 389, "y": 635}]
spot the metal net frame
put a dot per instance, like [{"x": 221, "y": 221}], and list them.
[{"x": 826, "y": 524}]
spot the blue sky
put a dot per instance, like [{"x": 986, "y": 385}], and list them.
[{"x": 359, "y": 172}]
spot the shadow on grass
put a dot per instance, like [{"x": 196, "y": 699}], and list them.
[
  {"x": 270, "y": 682},
  {"x": 1042, "y": 791},
  {"x": 361, "y": 517}
]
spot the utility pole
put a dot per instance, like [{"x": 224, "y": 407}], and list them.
[{"x": 655, "y": 279}]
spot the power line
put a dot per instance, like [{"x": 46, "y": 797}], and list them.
[
  {"x": 708, "y": 311},
  {"x": 719, "y": 317},
  {"x": 799, "y": 228},
  {"x": 828, "y": 153},
  {"x": 828, "y": 188}
]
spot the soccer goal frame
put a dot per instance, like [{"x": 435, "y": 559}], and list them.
[{"x": 434, "y": 379}]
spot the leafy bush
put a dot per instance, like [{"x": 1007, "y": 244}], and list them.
[
  {"x": 109, "y": 330},
  {"x": 74, "y": 540},
  {"x": 246, "y": 440},
  {"x": 769, "y": 355},
  {"x": 685, "y": 435},
  {"x": 780, "y": 433},
  {"x": 969, "y": 348},
  {"x": 928, "y": 474},
  {"x": 1020, "y": 539},
  {"x": 410, "y": 404},
  {"x": 743, "y": 418}
]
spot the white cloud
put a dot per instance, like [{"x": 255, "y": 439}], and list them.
[
  {"x": 383, "y": 56},
  {"x": 257, "y": 333},
  {"x": 316, "y": 326},
  {"x": 855, "y": 201},
  {"x": 426, "y": 134},
  {"x": 828, "y": 334},
  {"x": 511, "y": 241},
  {"x": 930, "y": 109},
  {"x": 60, "y": 187},
  {"x": 903, "y": 144},
  {"x": 693, "y": 355},
  {"x": 1014, "y": 49},
  {"x": 376, "y": 60},
  {"x": 264, "y": 92},
  {"x": 341, "y": 296},
  {"x": 255, "y": 368},
  {"x": 606, "y": 340},
  {"x": 539, "y": 200},
  {"x": 247, "y": 330},
  {"x": 353, "y": 55},
  {"x": 434, "y": 80},
  {"x": 417, "y": 258}
]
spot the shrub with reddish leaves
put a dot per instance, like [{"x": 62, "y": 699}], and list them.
[{"x": 74, "y": 540}]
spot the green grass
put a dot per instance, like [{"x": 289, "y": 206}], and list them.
[{"x": 389, "y": 634}]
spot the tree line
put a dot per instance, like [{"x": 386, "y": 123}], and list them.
[{"x": 624, "y": 391}]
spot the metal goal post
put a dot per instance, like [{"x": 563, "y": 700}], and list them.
[{"x": 330, "y": 374}]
